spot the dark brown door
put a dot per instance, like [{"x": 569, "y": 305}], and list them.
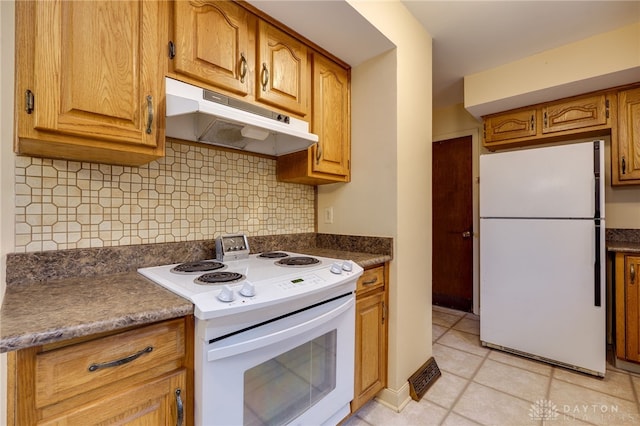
[{"x": 453, "y": 224}]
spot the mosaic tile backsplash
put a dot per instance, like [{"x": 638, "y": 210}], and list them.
[{"x": 193, "y": 193}]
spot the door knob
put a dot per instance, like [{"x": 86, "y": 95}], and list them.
[{"x": 466, "y": 234}]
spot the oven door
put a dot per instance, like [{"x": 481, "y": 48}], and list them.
[{"x": 295, "y": 370}]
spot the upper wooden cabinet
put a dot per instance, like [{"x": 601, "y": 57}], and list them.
[
  {"x": 89, "y": 80},
  {"x": 328, "y": 161},
  {"x": 578, "y": 113},
  {"x": 625, "y": 155},
  {"x": 283, "y": 77},
  {"x": 211, "y": 44},
  {"x": 587, "y": 116},
  {"x": 222, "y": 46},
  {"x": 510, "y": 125}
]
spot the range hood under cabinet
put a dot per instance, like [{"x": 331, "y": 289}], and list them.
[{"x": 201, "y": 115}]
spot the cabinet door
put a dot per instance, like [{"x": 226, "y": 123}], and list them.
[
  {"x": 575, "y": 114},
  {"x": 371, "y": 349},
  {"x": 331, "y": 118},
  {"x": 212, "y": 43},
  {"x": 632, "y": 307},
  {"x": 627, "y": 164},
  {"x": 282, "y": 70},
  {"x": 158, "y": 402},
  {"x": 513, "y": 125},
  {"x": 96, "y": 75}
]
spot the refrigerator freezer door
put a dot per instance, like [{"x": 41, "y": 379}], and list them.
[
  {"x": 537, "y": 290},
  {"x": 556, "y": 181}
]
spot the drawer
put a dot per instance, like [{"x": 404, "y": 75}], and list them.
[
  {"x": 71, "y": 370},
  {"x": 371, "y": 279}
]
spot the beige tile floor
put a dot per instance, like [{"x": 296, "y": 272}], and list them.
[{"x": 481, "y": 386}]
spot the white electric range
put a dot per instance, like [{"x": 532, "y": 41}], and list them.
[{"x": 274, "y": 336}]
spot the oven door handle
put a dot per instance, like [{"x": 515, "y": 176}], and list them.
[{"x": 278, "y": 336}]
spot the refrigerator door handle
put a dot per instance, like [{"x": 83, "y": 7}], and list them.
[{"x": 596, "y": 268}]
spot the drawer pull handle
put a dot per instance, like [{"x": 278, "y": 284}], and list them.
[
  {"x": 179, "y": 408},
  {"x": 125, "y": 360},
  {"x": 369, "y": 282}
]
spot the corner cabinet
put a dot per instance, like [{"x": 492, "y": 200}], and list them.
[
  {"x": 625, "y": 154},
  {"x": 627, "y": 315},
  {"x": 371, "y": 335},
  {"x": 89, "y": 80},
  {"x": 329, "y": 160},
  {"x": 142, "y": 376}
]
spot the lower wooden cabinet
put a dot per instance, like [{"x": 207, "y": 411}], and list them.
[
  {"x": 371, "y": 335},
  {"x": 141, "y": 376},
  {"x": 627, "y": 311}
]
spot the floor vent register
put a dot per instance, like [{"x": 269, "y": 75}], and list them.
[{"x": 422, "y": 379}]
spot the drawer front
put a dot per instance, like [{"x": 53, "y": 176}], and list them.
[
  {"x": 71, "y": 370},
  {"x": 371, "y": 279}
]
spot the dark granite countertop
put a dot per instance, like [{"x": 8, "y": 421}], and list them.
[
  {"x": 627, "y": 240},
  {"x": 59, "y": 295},
  {"x": 619, "y": 246},
  {"x": 46, "y": 312}
]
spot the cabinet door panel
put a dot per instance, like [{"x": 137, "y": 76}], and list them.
[
  {"x": 574, "y": 114},
  {"x": 153, "y": 403},
  {"x": 632, "y": 307},
  {"x": 628, "y": 161},
  {"x": 512, "y": 125},
  {"x": 212, "y": 43},
  {"x": 91, "y": 79},
  {"x": 330, "y": 118},
  {"x": 282, "y": 70}
]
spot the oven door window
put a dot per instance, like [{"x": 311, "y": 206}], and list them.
[{"x": 280, "y": 389}]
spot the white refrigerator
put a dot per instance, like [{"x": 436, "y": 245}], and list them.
[{"x": 542, "y": 254}]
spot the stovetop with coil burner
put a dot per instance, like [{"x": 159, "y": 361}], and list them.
[{"x": 222, "y": 288}]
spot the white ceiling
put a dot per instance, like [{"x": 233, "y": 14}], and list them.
[{"x": 468, "y": 36}]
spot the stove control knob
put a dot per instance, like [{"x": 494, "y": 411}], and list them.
[
  {"x": 226, "y": 294},
  {"x": 347, "y": 266},
  {"x": 336, "y": 268},
  {"x": 248, "y": 289}
]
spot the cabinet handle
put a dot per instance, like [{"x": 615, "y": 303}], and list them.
[
  {"x": 544, "y": 122},
  {"x": 533, "y": 124},
  {"x": 632, "y": 274},
  {"x": 369, "y": 282},
  {"x": 179, "y": 408},
  {"x": 624, "y": 166},
  {"x": 149, "y": 114},
  {"x": 384, "y": 312},
  {"x": 318, "y": 153},
  {"x": 264, "y": 76},
  {"x": 125, "y": 360},
  {"x": 243, "y": 67}
]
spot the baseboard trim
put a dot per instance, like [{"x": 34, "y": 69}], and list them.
[{"x": 394, "y": 399}]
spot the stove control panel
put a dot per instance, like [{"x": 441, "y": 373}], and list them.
[{"x": 232, "y": 247}]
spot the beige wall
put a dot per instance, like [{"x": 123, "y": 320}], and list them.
[
  {"x": 598, "y": 62},
  {"x": 390, "y": 193}
]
